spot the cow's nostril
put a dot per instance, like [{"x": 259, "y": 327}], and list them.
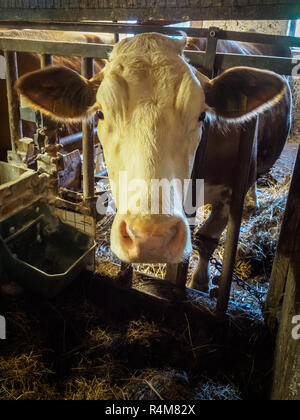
[
  {"x": 178, "y": 238},
  {"x": 126, "y": 235}
]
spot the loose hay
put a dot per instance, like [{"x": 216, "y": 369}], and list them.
[
  {"x": 168, "y": 384},
  {"x": 143, "y": 332},
  {"x": 91, "y": 356},
  {"x": 25, "y": 377},
  {"x": 92, "y": 389},
  {"x": 211, "y": 391}
]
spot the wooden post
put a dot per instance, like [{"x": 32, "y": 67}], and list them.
[
  {"x": 285, "y": 284},
  {"x": 247, "y": 142},
  {"x": 285, "y": 245},
  {"x": 286, "y": 381}
]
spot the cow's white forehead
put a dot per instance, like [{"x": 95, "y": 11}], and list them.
[
  {"x": 148, "y": 44},
  {"x": 149, "y": 70}
]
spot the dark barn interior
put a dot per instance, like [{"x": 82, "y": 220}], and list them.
[{"x": 76, "y": 322}]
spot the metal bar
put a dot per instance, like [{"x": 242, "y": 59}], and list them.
[
  {"x": 46, "y": 60},
  {"x": 210, "y": 53},
  {"x": 116, "y": 37},
  {"x": 105, "y": 27},
  {"x": 259, "y": 38},
  {"x": 79, "y": 49},
  {"x": 252, "y": 37},
  {"x": 15, "y": 123},
  {"x": 87, "y": 70},
  {"x": 73, "y": 138},
  {"x": 278, "y": 64},
  {"x": 248, "y": 137}
]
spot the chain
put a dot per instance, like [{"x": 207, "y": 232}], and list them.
[
  {"x": 198, "y": 244},
  {"x": 258, "y": 294}
]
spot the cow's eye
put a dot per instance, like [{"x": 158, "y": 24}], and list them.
[
  {"x": 202, "y": 116},
  {"x": 100, "y": 114}
]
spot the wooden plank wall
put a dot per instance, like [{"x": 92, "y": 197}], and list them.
[
  {"x": 143, "y": 10},
  {"x": 285, "y": 285}
]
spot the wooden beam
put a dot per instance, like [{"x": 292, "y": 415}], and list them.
[
  {"x": 286, "y": 384},
  {"x": 143, "y": 10},
  {"x": 152, "y": 295}
]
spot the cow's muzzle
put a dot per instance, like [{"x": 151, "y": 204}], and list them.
[{"x": 160, "y": 240}]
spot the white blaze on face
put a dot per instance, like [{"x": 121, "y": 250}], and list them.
[{"x": 151, "y": 102}]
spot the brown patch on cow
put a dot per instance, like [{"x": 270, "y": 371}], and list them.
[{"x": 241, "y": 90}]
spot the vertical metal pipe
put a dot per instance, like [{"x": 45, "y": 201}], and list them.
[
  {"x": 116, "y": 34},
  {"x": 87, "y": 70},
  {"x": 15, "y": 123},
  {"x": 211, "y": 51},
  {"x": 177, "y": 273},
  {"x": 116, "y": 37},
  {"x": 248, "y": 137},
  {"x": 46, "y": 60}
]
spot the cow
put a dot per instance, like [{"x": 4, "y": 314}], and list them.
[
  {"x": 151, "y": 105},
  {"x": 274, "y": 128},
  {"x": 28, "y": 62}
]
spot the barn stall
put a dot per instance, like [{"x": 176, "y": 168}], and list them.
[{"x": 117, "y": 331}]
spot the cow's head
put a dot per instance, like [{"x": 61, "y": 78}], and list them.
[{"x": 150, "y": 104}]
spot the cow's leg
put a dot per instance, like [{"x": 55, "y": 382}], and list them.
[
  {"x": 251, "y": 200},
  {"x": 207, "y": 239}
]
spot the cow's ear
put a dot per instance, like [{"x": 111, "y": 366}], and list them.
[
  {"x": 241, "y": 91},
  {"x": 59, "y": 92}
]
